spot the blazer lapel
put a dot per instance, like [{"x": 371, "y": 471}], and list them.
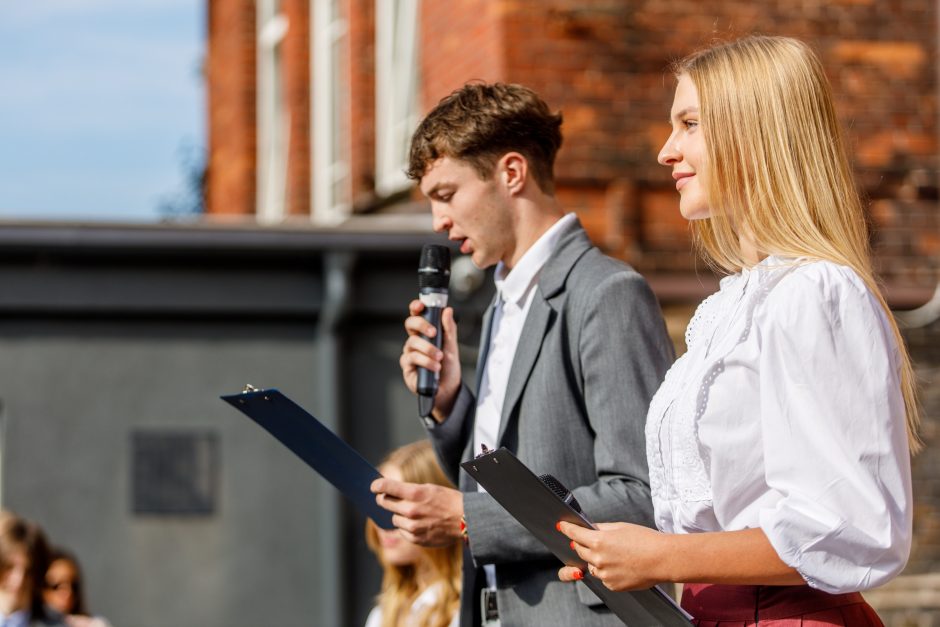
[
  {"x": 572, "y": 244},
  {"x": 527, "y": 351}
]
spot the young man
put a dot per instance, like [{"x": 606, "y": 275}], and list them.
[{"x": 571, "y": 354}]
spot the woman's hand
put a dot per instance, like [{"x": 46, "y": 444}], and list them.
[{"x": 621, "y": 555}]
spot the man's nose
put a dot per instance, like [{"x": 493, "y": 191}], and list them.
[{"x": 439, "y": 221}]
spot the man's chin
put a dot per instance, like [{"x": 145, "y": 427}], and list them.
[{"x": 481, "y": 262}]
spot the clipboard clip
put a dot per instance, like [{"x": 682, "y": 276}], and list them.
[{"x": 483, "y": 451}]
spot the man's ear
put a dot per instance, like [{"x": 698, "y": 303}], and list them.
[{"x": 513, "y": 170}]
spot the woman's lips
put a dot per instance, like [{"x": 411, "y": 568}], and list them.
[{"x": 681, "y": 180}]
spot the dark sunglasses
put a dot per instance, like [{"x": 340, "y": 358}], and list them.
[{"x": 60, "y": 585}]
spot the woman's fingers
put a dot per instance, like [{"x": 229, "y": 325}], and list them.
[
  {"x": 580, "y": 535},
  {"x": 570, "y": 573}
]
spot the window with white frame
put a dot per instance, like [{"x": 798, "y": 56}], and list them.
[
  {"x": 273, "y": 114},
  {"x": 396, "y": 89},
  {"x": 331, "y": 186}
]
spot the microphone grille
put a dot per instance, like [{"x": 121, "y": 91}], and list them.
[
  {"x": 434, "y": 267},
  {"x": 555, "y": 486}
]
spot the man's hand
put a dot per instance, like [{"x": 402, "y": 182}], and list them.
[
  {"x": 427, "y": 514},
  {"x": 420, "y": 353}
]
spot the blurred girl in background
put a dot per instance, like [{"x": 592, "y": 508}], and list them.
[{"x": 420, "y": 586}]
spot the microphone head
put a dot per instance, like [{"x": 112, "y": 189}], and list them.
[
  {"x": 555, "y": 486},
  {"x": 560, "y": 491},
  {"x": 434, "y": 267}
]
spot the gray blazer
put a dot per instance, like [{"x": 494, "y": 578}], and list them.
[{"x": 593, "y": 351}]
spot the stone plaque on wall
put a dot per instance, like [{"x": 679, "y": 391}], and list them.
[{"x": 174, "y": 472}]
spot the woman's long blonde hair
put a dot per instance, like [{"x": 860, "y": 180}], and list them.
[
  {"x": 778, "y": 170},
  {"x": 417, "y": 464}
]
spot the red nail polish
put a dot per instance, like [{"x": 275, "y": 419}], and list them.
[
  {"x": 578, "y": 575},
  {"x": 558, "y": 526},
  {"x": 572, "y": 545}
]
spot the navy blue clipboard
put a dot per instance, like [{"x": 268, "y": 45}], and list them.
[
  {"x": 538, "y": 508},
  {"x": 320, "y": 448}
]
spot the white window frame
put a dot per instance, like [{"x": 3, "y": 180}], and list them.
[
  {"x": 396, "y": 91},
  {"x": 330, "y": 166},
  {"x": 273, "y": 114}
]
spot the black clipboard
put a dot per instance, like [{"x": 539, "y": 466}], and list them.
[
  {"x": 538, "y": 508},
  {"x": 313, "y": 442}
]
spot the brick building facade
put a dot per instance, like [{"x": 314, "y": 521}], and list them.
[
  {"x": 603, "y": 64},
  {"x": 307, "y": 101}
]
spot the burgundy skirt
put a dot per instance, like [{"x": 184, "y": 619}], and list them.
[{"x": 775, "y": 606}]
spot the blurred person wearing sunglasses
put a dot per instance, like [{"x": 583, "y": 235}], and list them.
[{"x": 64, "y": 591}]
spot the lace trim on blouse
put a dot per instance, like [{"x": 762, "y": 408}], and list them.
[{"x": 679, "y": 469}]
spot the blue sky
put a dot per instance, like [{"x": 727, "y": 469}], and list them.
[{"x": 99, "y": 102}]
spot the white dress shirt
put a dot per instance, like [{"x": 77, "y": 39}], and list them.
[
  {"x": 515, "y": 290},
  {"x": 786, "y": 413}
]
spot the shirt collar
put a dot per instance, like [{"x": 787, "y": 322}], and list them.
[
  {"x": 759, "y": 272},
  {"x": 514, "y": 285}
]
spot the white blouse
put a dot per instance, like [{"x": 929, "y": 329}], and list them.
[
  {"x": 422, "y": 602},
  {"x": 786, "y": 413}
]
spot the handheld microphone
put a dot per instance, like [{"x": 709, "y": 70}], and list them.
[
  {"x": 561, "y": 491},
  {"x": 433, "y": 279}
]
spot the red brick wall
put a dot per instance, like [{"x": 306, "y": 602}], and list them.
[
  {"x": 447, "y": 31},
  {"x": 461, "y": 40},
  {"x": 232, "y": 102},
  {"x": 230, "y": 85},
  {"x": 361, "y": 18},
  {"x": 603, "y": 63},
  {"x": 295, "y": 58}
]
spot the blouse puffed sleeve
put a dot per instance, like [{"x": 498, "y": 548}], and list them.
[{"x": 834, "y": 431}]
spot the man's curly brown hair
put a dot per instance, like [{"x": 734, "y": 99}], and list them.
[{"x": 481, "y": 122}]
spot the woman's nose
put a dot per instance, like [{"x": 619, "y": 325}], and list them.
[{"x": 669, "y": 153}]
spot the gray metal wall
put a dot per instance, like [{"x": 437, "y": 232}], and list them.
[{"x": 111, "y": 334}]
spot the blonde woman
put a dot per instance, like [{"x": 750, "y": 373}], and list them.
[
  {"x": 779, "y": 445},
  {"x": 420, "y": 586}
]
